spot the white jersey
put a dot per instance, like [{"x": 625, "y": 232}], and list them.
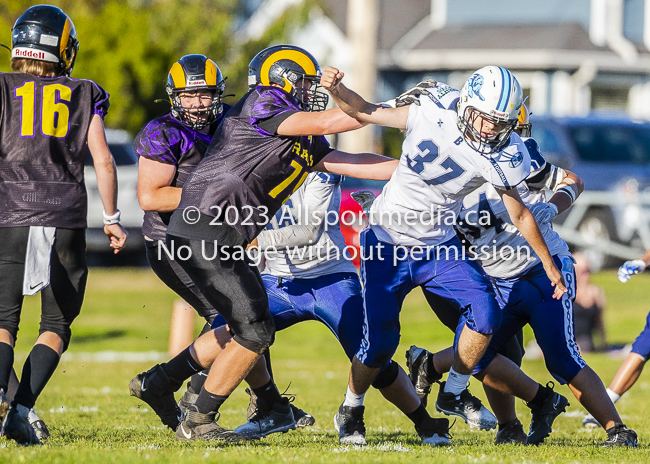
[
  {"x": 302, "y": 221},
  {"x": 485, "y": 223},
  {"x": 420, "y": 204}
]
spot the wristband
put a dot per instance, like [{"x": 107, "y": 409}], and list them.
[
  {"x": 109, "y": 220},
  {"x": 566, "y": 189}
]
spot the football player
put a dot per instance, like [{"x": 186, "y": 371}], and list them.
[
  {"x": 525, "y": 295},
  {"x": 47, "y": 120},
  {"x": 450, "y": 150},
  {"x": 261, "y": 153},
  {"x": 633, "y": 365},
  {"x": 170, "y": 147},
  {"x": 309, "y": 275}
]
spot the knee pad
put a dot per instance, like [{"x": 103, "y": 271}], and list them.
[
  {"x": 256, "y": 336},
  {"x": 386, "y": 377}
]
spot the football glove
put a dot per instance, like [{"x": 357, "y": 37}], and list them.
[
  {"x": 630, "y": 268},
  {"x": 543, "y": 212},
  {"x": 412, "y": 95},
  {"x": 365, "y": 198}
]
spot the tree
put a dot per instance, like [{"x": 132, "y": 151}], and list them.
[{"x": 127, "y": 47}]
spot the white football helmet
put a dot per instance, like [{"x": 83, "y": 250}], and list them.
[{"x": 493, "y": 94}]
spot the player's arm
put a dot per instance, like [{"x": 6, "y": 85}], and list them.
[
  {"x": 360, "y": 165},
  {"x": 332, "y": 121},
  {"x": 106, "y": 181},
  {"x": 310, "y": 223},
  {"x": 155, "y": 192},
  {"x": 567, "y": 191},
  {"x": 358, "y": 108},
  {"x": 524, "y": 221}
]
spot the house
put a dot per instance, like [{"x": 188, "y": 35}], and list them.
[{"x": 570, "y": 57}]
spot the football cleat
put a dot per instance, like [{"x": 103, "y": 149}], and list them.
[
  {"x": 541, "y": 423},
  {"x": 416, "y": 362},
  {"x": 511, "y": 432},
  {"x": 4, "y": 409},
  {"x": 18, "y": 428},
  {"x": 434, "y": 432},
  {"x": 204, "y": 427},
  {"x": 590, "y": 421},
  {"x": 38, "y": 425},
  {"x": 187, "y": 400},
  {"x": 466, "y": 406},
  {"x": 276, "y": 419},
  {"x": 164, "y": 405},
  {"x": 348, "y": 422},
  {"x": 303, "y": 419},
  {"x": 619, "y": 435}
]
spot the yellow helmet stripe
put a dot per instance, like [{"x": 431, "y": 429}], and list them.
[
  {"x": 294, "y": 55},
  {"x": 65, "y": 35},
  {"x": 178, "y": 76},
  {"x": 210, "y": 72}
]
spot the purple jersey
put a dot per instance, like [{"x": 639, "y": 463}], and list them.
[
  {"x": 43, "y": 130},
  {"x": 249, "y": 171},
  {"x": 168, "y": 141}
]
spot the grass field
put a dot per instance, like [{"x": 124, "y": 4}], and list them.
[{"x": 93, "y": 419}]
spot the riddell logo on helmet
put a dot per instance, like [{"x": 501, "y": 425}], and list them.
[
  {"x": 191, "y": 83},
  {"x": 29, "y": 53},
  {"x": 499, "y": 114}
]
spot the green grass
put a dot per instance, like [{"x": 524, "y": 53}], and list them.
[{"x": 93, "y": 419}]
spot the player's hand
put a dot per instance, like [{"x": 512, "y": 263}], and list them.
[
  {"x": 116, "y": 235},
  {"x": 252, "y": 244},
  {"x": 555, "y": 276},
  {"x": 412, "y": 95},
  {"x": 330, "y": 78},
  {"x": 543, "y": 212},
  {"x": 630, "y": 268},
  {"x": 365, "y": 198}
]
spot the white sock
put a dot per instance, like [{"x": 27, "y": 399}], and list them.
[
  {"x": 613, "y": 395},
  {"x": 32, "y": 417},
  {"x": 456, "y": 382},
  {"x": 352, "y": 399}
]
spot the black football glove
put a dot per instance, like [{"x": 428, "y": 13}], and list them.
[{"x": 412, "y": 95}]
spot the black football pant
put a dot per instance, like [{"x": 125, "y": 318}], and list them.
[{"x": 231, "y": 284}]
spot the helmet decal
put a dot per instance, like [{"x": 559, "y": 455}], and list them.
[
  {"x": 474, "y": 85},
  {"x": 505, "y": 90},
  {"x": 210, "y": 73},
  {"x": 293, "y": 55},
  {"x": 178, "y": 75},
  {"x": 65, "y": 35}
]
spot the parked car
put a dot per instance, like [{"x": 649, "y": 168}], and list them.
[
  {"x": 612, "y": 155},
  {"x": 119, "y": 142}
]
